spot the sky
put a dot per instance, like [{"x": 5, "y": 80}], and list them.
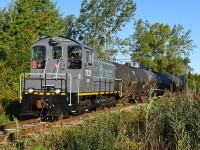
[{"x": 172, "y": 12}]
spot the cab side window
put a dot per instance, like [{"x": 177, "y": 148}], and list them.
[
  {"x": 74, "y": 57},
  {"x": 38, "y": 57}
]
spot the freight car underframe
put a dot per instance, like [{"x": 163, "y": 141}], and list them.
[{"x": 51, "y": 101}]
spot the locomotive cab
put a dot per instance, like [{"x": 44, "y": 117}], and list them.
[{"x": 53, "y": 82}]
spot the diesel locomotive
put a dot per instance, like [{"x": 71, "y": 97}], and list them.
[{"x": 65, "y": 78}]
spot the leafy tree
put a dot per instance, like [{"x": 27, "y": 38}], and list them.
[
  {"x": 161, "y": 47},
  {"x": 6, "y": 82},
  {"x": 194, "y": 81},
  {"x": 100, "y": 21},
  {"x": 70, "y": 26},
  {"x": 26, "y": 22},
  {"x": 22, "y": 24},
  {"x": 3, "y": 37}
]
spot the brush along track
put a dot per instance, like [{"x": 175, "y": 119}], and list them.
[
  {"x": 13, "y": 131},
  {"x": 7, "y": 132},
  {"x": 76, "y": 120}
]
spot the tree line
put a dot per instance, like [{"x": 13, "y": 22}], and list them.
[{"x": 23, "y": 22}]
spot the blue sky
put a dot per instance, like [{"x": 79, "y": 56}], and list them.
[{"x": 185, "y": 13}]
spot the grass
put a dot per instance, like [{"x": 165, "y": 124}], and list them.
[{"x": 168, "y": 122}]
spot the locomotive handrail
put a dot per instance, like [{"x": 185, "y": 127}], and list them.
[
  {"x": 39, "y": 74},
  {"x": 114, "y": 79},
  {"x": 121, "y": 88},
  {"x": 40, "y": 77},
  {"x": 108, "y": 78},
  {"x": 46, "y": 66},
  {"x": 104, "y": 77},
  {"x": 58, "y": 66},
  {"x": 101, "y": 81},
  {"x": 118, "y": 79},
  {"x": 70, "y": 90},
  {"x": 20, "y": 84},
  {"x": 79, "y": 77}
]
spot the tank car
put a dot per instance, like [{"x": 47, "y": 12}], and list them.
[
  {"x": 65, "y": 78},
  {"x": 170, "y": 82},
  {"x": 177, "y": 83},
  {"x": 136, "y": 82}
]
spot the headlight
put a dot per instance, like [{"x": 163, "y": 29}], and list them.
[
  {"x": 57, "y": 91},
  {"x": 30, "y": 91}
]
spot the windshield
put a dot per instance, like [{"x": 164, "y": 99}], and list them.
[
  {"x": 57, "y": 52},
  {"x": 74, "y": 57},
  {"x": 38, "y": 57}
]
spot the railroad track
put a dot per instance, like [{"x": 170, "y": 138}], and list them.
[
  {"x": 13, "y": 131},
  {"x": 8, "y": 132}
]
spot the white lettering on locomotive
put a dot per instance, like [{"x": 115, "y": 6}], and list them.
[{"x": 88, "y": 72}]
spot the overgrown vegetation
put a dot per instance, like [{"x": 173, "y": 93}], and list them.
[{"x": 169, "y": 122}]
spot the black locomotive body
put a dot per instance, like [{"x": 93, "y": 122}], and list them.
[{"x": 65, "y": 78}]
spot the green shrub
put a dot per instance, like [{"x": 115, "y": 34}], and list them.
[{"x": 3, "y": 118}]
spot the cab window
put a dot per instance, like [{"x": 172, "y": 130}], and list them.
[
  {"x": 57, "y": 52},
  {"x": 74, "y": 56},
  {"x": 38, "y": 57}
]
